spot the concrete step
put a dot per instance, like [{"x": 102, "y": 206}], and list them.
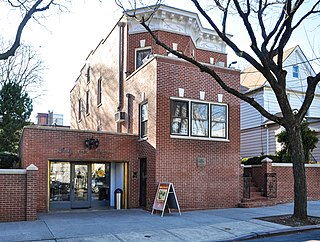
[{"x": 257, "y": 203}]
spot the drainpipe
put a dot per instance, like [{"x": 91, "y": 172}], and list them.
[
  {"x": 121, "y": 26},
  {"x": 266, "y": 126},
  {"x": 130, "y": 100}
]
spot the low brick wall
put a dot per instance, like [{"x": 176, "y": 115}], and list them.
[
  {"x": 18, "y": 194},
  {"x": 284, "y": 175}
]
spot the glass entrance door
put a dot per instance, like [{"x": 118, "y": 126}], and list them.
[{"x": 80, "y": 180}]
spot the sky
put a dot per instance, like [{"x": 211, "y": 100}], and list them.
[{"x": 65, "y": 40}]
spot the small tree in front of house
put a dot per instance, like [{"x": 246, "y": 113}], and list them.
[
  {"x": 309, "y": 140},
  {"x": 15, "y": 111}
]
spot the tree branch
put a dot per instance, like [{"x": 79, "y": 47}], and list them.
[
  {"x": 212, "y": 73},
  {"x": 34, "y": 9}
]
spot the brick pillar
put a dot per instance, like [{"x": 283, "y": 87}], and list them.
[
  {"x": 266, "y": 165},
  {"x": 32, "y": 190},
  {"x": 270, "y": 181}
]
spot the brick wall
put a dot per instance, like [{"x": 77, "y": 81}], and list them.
[
  {"x": 18, "y": 194},
  {"x": 285, "y": 183},
  {"x": 41, "y": 144},
  {"x": 216, "y": 184},
  {"x": 185, "y": 45}
]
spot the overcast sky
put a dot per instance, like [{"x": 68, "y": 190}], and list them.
[{"x": 68, "y": 38}]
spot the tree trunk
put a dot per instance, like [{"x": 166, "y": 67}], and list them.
[{"x": 299, "y": 175}]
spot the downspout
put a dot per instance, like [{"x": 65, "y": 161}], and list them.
[
  {"x": 130, "y": 100},
  {"x": 121, "y": 26},
  {"x": 266, "y": 126}
]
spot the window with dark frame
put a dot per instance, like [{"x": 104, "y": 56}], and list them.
[
  {"x": 218, "y": 121},
  {"x": 79, "y": 109},
  {"x": 141, "y": 55},
  {"x": 207, "y": 120},
  {"x": 143, "y": 120},
  {"x": 200, "y": 119},
  {"x": 88, "y": 74},
  {"x": 87, "y": 102},
  {"x": 179, "y": 117},
  {"x": 99, "y": 92}
]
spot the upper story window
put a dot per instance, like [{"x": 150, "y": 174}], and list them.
[
  {"x": 218, "y": 121},
  {"x": 141, "y": 54},
  {"x": 180, "y": 118},
  {"x": 143, "y": 120},
  {"x": 99, "y": 92},
  {"x": 87, "y": 102},
  {"x": 295, "y": 71},
  {"x": 198, "y": 119},
  {"x": 79, "y": 109},
  {"x": 88, "y": 74}
]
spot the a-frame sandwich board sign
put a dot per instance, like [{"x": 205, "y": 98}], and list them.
[{"x": 165, "y": 196}]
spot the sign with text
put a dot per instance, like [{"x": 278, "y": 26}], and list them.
[{"x": 165, "y": 197}]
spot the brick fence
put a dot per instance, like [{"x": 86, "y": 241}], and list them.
[
  {"x": 283, "y": 177},
  {"x": 18, "y": 194}
]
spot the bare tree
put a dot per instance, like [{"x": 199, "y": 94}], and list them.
[
  {"x": 267, "y": 42},
  {"x": 28, "y": 10},
  {"x": 25, "y": 68}
]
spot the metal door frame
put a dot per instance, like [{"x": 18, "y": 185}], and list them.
[{"x": 73, "y": 202}]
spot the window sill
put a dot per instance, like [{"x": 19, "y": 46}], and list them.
[
  {"x": 143, "y": 139},
  {"x": 198, "y": 138}
]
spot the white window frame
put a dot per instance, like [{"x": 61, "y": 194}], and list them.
[
  {"x": 190, "y": 136},
  {"x": 135, "y": 55}
]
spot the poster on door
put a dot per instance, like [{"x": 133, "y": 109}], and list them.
[{"x": 165, "y": 197}]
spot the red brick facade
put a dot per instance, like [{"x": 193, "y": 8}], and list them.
[
  {"x": 284, "y": 178},
  {"x": 18, "y": 195},
  {"x": 44, "y": 144}
]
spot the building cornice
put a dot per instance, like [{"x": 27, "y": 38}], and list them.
[{"x": 177, "y": 21}]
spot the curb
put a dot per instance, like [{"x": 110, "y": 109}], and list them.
[{"x": 276, "y": 232}]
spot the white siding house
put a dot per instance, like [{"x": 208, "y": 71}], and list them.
[{"x": 258, "y": 134}]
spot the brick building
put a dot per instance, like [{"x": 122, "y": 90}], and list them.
[{"x": 140, "y": 116}]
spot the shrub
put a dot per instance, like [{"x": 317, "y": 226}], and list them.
[
  {"x": 9, "y": 160},
  {"x": 256, "y": 160}
]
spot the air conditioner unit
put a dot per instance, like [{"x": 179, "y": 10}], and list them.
[{"x": 119, "y": 117}]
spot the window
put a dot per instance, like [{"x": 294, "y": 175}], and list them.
[
  {"x": 179, "y": 118},
  {"x": 141, "y": 55},
  {"x": 79, "y": 109},
  {"x": 87, "y": 102},
  {"x": 207, "y": 120},
  {"x": 200, "y": 119},
  {"x": 143, "y": 120},
  {"x": 99, "y": 92},
  {"x": 295, "y": 71},
  {"x": 218, "y": 121},
  {"x": 88, "y": 74}
]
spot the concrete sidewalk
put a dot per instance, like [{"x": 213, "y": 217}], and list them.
[{"x": 139, "y": 225}]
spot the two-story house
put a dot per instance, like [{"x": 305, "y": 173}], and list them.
[
  {"x": 140, "y": 116},
  {"x": 258, "y": 134}
]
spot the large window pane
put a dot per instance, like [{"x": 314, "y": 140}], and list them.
[
  {"x": 179, "y": 118},
  {"x": 140, "y": 55},
  {"x": 59, "y": 181},
  {"x": 143, "y": 120},
  {"x": 200, "y": 119},
  {"x": 218, "y": 121}
]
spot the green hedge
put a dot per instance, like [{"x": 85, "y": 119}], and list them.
[
  {"x": 257, "y": 160},
  {"x": 9, "y": 161}
]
